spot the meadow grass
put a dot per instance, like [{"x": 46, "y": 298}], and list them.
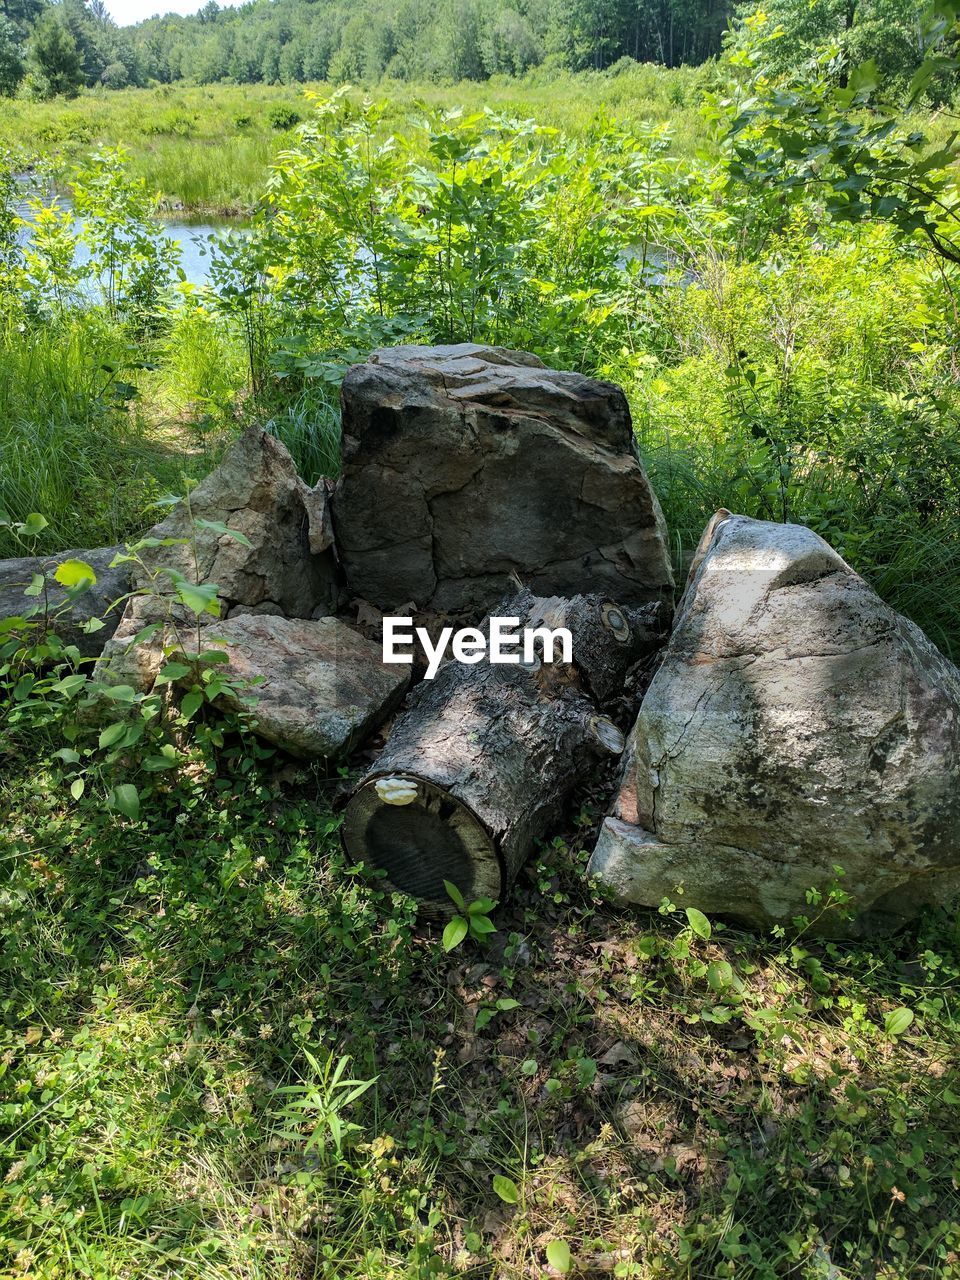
[
  {"x": 665, "y": 1102},
  {"x": 207, "y": 149}
]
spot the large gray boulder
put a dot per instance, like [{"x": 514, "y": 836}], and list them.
[
  {"x": 318, "y": 688},
  {"x": 796, "y": 724},
  {"x": 467, "y": 469},
  {"x": 94, "y": 602}
]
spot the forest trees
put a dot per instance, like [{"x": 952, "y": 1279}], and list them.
[
  {"x": 364, "y": 41},
  {"x": 53, "y": 57}
]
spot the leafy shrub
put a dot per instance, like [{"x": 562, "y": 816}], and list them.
[{"x": 283, "y": 116}]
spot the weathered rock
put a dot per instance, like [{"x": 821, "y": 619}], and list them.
[
  {"x": 288, "y": 569},
  {"x": 468, "y": 468},
  {"x": 289, "y": 565},
  {"x": 95, "y": 602},
  {"x": 796, "y": 724},
  {"x": 324, "y": 687}
]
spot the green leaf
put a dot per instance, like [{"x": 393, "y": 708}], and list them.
[
  {"x": 198, "y": 599},
  {"x": 455, "y": 894},
  {"x": 126, "y": 799},
  {"x": 118, "y": 692},
  {"x": 73, "y": 572},
  {"x": 896, "y": 1022},
  {"x": 481, "y": 907},
  {"x": 507, "y": 1003},
  {"x": 699, "y": 923},
  {"x": 481, "y": 925},
  {"x": 454, "y": 933},
  {"x": 558, "y": 1255},
  {"x": 76, "y": 788},
  {"x": 172, "y": 671},
  {"x": 35, "y": 587},
  {"x": 506, "y": 1189},
  {"x": 719, "y": 975},
  {"x": 191, "y": 704},
  {"x": 35, "y": 523},
  {"x": 111, "y": 735},
  {"x": 217, "y": 526},
  {"x": 485, "y": 1015},
  {"x": 68, "y": 755}
]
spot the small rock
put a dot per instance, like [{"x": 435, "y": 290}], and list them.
[
  {"x": 324, "y": 687},
  {"x": 110, "y": 585},
  {"x": 289, "y": 565}
]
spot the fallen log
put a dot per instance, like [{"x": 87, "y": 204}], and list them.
[{"x": 481, "y": 763}]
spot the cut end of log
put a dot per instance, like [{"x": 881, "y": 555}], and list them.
[{"x": 420, "y": 835}]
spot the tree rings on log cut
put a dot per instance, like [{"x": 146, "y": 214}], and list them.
[
  {"x": 481, "y": 763},
  {"x": 422, "y": 842}
]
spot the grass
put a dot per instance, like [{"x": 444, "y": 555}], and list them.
[
  {"x": 80, "y": 444},
  {"x": 207, "y": 149},
  {"x": 178, "y": 993}
]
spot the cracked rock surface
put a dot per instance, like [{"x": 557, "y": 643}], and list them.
[
  {"x": 467, "y": 468},
  {"x": 796, "y": 724},
  {"x": 321, "y": 687},
  {"x": 289, "y": 567}
]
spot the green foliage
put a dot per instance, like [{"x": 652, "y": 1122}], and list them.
[
  {"x": 11, "y": 61},
  {"x": 115, "y": 733},
  {"x": 834, "y": 34},
  {"x": 472, "y": 922},
  {"x": 282, "y": 116},
  {"x": 53, "y": 59}
]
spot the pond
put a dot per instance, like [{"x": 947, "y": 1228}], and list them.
[{"x": 190, "y": 234}]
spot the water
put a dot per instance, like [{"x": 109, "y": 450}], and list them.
[{"x": 191, "y": 235}]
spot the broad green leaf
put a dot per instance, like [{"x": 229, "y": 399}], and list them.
[
  {"x": 198, "y": 599},
  {"x": 558, "y": 1255},
  {"x": 481, "y": 907},
  {"x": 172, "y": 671},
  {"x": 482, "y": 925},
  {"x": 484, "y": 1016},
  {"x": 191, "y": 704},
  {"x": 68, "y": 755},
  {"x": 111, "y": 735},
  {"x": 35, "y": 587},
  {"x": 118, "y": 692},
  {"x": 126, "y": 799},
  {"x": 72, "y": 572},
  {"x": 455, "y": 894},
  {"x": 35, "y": 523},
  {"x": 454, "y": 933},
  {"x": 76, "y": 788},
  {"x": 217, "y": 526},
  {"x": 897, "y": 1021},
  {"x": 506, "y": 1189},
  {"x": 699, "y": 923}
]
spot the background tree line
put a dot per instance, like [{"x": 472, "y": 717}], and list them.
[{"x": 51, "y": 48}]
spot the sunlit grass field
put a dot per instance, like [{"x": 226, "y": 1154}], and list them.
[{"x": 207, "y": 149}]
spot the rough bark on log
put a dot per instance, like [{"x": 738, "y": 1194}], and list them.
[{"x": 484, "y": 758}]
